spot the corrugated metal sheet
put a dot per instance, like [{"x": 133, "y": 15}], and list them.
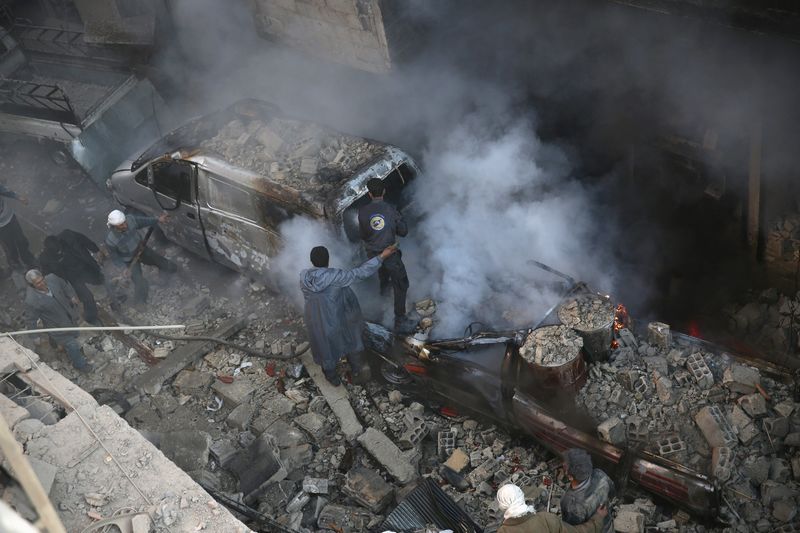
[{"x": 428, "y": 505}]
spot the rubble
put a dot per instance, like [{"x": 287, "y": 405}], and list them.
[
  {"x": 388, "y": 455},
  {"x": 551, "y": 346},
  {"x": 368, "y": 489}
]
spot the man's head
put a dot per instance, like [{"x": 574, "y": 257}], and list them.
[
  {"x": 319, "y": 257},
  {"x": 376, "y": 188},
  {"x": 117, "y": 221},
  {"x": 578, "y": 464},
  {"x": 36, "y": 280}
]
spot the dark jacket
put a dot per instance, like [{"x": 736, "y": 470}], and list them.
[
  {"x": 69, "y": 257},
  {"x": 547, "y": 523},
  {"x": 579, "y": 504},
  {"x": 57, "y": 310},
  {"x": 380, "y": 224},
  {"x": 332, "y": 313}
]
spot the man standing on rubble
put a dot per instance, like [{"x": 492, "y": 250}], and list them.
[
  {"x": 68, "y": 255},
  {"x": 123, "y": 243},
  {"x": 519, "y": 517},
  {"x": 379, "y": 225},
  {"x": 14, "y": 242},
  {"x": 52, "y": 300},
  {"x": 332, "y": 313},
  {"x": 590, "y": 489}
]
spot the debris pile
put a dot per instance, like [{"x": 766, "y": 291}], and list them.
[
  {"x": 587, "y": 313},
  {"x": 551, "y": 346},
  {"x": 708, "y": 412},
  {"x": 300, "y": 154},
  {"x": 771, "y": 319}
]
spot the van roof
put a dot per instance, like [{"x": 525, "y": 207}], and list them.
[{"x": 254, "y": 136}]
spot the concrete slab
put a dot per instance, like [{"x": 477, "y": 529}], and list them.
[
  {"x": 236, "y": 393},
  {"x": 337, "y": 399},
  {"x": 388, "y": 455},
  {"x": 12, "y": 412}
]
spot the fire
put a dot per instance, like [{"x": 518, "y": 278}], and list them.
[{"x": 621, "y": 320}]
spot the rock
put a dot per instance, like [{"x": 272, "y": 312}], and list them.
[
  {"x": 258, "y": 465},
  {"x": 470, "y": 425},
  {"x": 295, "y": 457},
  {"x": 314, "y": 423},
  {"x": 743, "y": 424},
  {"x": 664, "y": 389},
  {"x": 367, "y": 488},
  {"x": 776, "y": 427},
  {"x": 753, "y": 404},
  {"x": 784, "y": 408},
  {"x": 11, "y": 412},
  {"x": 187, "y": 449},
  {"x": 241, "y": 416},
  {"x": 141, "y": 523},
  {"x": 482, "y": 472},
  {"x": 192, "y": 381},
  {"x": 28, "y": 428},
  {"x": 612, "y": 431},
  {"x": 236, "y": 393},
  {"x": 223, "y": 450},
  {"x": 779, "y": 470},
  {"x": 298, "y": 502},
  {"x": 629, "y": 522},
  {"x": 772, "y": 491},
  {"x": 343, "y": 519},
  {"x": 388, "y": 455},
  {"x": 286, "y": 435},
  {"x": 796, "y": 467},
  {"x": 740, "y": 378},
  {"x": 659, "y": 334},
  {"x": 784, "y": 510},
  {"x": 314, "y": 485},
  {"x": 457, "y": 461},
  {"x": 280, "y": 405},
  {"x": 715, "y": 427},
  {"x": 757, "y": 470},
  {"x": 395, "y": 396}
]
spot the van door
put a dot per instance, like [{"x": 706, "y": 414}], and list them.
[
  {"x": 241, "y": 224},
  {"x": 172, "y": 185}
]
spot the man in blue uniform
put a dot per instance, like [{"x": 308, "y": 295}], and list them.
[{"x": 380, "y": 224}]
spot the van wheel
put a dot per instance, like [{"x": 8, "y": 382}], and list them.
[
  {"x": 394, "y": 375},
  {"x": 60, "y": 157}
]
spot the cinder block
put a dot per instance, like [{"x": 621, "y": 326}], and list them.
[
  {"x": 671, "y": 445},
  {"x": 715, "y": 427},
  {"x": 699, "y": 369},
  {"x": 721, "y": 463}
]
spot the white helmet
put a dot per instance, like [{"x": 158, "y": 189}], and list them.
[{"x": 115, "y": 218}]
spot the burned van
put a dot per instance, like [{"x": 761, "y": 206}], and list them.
[{"x": 231, "y": 178}]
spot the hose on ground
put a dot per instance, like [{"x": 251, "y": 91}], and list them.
[{"x": 233, "y": 345}]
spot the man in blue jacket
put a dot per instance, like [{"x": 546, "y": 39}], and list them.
[{"x": 332, "y": 313}]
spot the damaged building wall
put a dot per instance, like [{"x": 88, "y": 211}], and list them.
[{"x": 346, "y": 31}]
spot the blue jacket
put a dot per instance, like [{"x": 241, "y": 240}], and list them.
[
  {"x": 332, "y": 313},
  {"x": 122, "y": 246}
]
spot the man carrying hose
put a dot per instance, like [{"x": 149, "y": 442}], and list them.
[
  {"x": 128, "y": 250},
  {"x": 52, "y": 300}
]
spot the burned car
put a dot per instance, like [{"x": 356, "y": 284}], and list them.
[
  {"x": 573, "y": 378},
  {"x": 232, "y": 177}
]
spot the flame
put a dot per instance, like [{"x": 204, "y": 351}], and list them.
[{"x": 621, "y": 320}]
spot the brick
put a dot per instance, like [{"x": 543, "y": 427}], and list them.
[
  {"x": 612, "y": 431},
  {"x": 753, "y": 404},
  {"x": 457, "y": 461},
  {"x": 740, "y": 378},
  {"x": 715, "y": 427},
  {"x": 368, "y": 488},
  {"x": 388, "y": 455},
  {"x": 721, "y": 463},
  {"x": 700, "y": 371}
]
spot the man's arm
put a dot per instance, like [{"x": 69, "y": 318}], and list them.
[
  {"x": 345, "y": 278},
  {"x": 142, "y": 221},
  {"x": 8, "y": 193}
]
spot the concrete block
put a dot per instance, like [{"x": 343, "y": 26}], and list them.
[
  {"x": 740, "y": 378},
  {"x": 757, "y": 470},
  {"x": 715, "y": 427},
  {"x": 241, "y": 416},
  {"x": 721, "y": 463},
  {"x": 223, "y": 450},
  {"x": 779, "y": 470},
  {"x": 776, "y": 427},
  {"x": 446, "y": 443},
  {"x": 753, "y": 404},
  {"x": 637, "y": 429},
  {"x": 482, "y": 472},
  {"x": 457, "y": 461},
  {"x": 700, "y": 371},
  {"x": 784, "y": 510},
  {"x": 388, "y": 455},
  {"x": 236, "y": 393},
  {"x": 343, "y": 519},
  {"x": 314, "y": 485},
  {"x": 11, "y": 412},
  {"x": 659, "y": 334},
  {"x": 671, "y": 445},
  {"x": 785, "y": 408},
  {"x": 191, "y": 381},
  {"x": 664, "y": 389},
  {"x": 368, "y": 488},
  {"x": 612, "y": 431},
  {"x": 187, "y": 449},
  {"x": 314, "y": 423},
  {"x": 629, "y": 522},
  {"x": 772, "y": 491}
]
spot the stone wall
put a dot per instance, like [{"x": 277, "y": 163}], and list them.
[{"x": 346, "y": 31}]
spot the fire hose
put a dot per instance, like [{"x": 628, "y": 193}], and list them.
[{"x": 149, "y": 330}]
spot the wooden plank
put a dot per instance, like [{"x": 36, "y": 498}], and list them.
[
  {"x": 30, "y": 483},
  {"x": 151, "y": 381}
]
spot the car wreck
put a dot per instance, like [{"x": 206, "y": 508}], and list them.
[
  {"x": 232, "y": 177},
  {"x": 654, "y": 412}
]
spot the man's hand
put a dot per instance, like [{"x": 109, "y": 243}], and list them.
[
  {"x": 163, "y": 217},
  {"x": 601, "y": 512},
  {"x": 75, "y": 300},
  {"x": 389, "y": 250},
  {"x": 23, "y": 199}
]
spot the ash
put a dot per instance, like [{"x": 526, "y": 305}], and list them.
[
  {"x": 587, "y": 313},
  {"x": 551, "y": 346}
]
